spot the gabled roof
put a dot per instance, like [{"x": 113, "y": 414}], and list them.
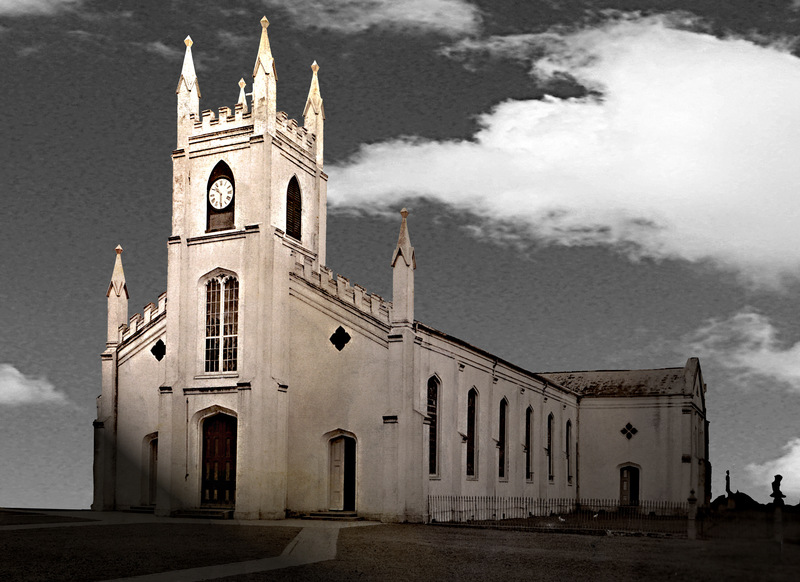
[{"x": 625, "y": 382}]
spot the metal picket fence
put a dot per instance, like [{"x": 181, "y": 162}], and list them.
[{"x": 564, "y": 514}]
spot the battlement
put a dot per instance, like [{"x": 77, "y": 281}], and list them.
[
  {"x": 371, "y": 304},
  {"x": 299, "y": 135},
  {"x": 208, "y": 122},
  {"x": 141, "y": 321}
]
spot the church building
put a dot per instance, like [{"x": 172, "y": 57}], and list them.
[{"x": 261, "y": 383}]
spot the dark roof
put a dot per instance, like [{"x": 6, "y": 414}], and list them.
[{"x": 624, "y": 382}]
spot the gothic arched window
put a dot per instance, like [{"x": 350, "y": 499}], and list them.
[
  {"x": 294, "y": 209},
  {"x": 529, "y": 444},
  {"x": 222, "y": 324},
  {"x": 221, "y": 198},
  {"x": 472, "y": 413},
  {"x": 569, "y": 450},
  {"x": 433, "y": 416},
  {"x": 550, "y": 447},
  {"x": 502, "y": 440}
]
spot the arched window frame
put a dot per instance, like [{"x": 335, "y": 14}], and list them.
[
  {"x": 472, "y": 436},
  {"x": 549, "y": 448},
  {"x": 434, "y": 396},
  {"x": 568, "y": 449},
  {"x": 529, "y": 444},
  {"x": 221, "y": 349},
  {"x": 220, "y": 219},
  {"x": 294, "y": 210},
  {"x": 502, "y": 441}
]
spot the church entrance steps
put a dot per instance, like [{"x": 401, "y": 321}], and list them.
[
  {"x": 141, "y": 509},
  {"x": 333, "y": 516},
  {"x": 204, "y": 513}
]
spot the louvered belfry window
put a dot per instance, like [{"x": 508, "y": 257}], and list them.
[
  {"x": 294, "y": 210},
  {"x": 222, "y": 324}
]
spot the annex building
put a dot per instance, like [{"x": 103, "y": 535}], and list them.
[{"x": 262, "y": 383}]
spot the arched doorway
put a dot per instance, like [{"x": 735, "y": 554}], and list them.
[
  {"x": 219, "y": 461},
  {"x": 342, "y": 474},
  {"x": 152, "y": 487},
  {"x": 628, "y": 485}
]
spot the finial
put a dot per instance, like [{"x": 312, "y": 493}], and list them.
[
  {"x": 188, "y": 77},
  {"x": 117, "y": 284},
  {"x": 242, "y": 83},
  {"x": 404, "y": 247},
  {"x": 314, "y": 66},
  {"x": 264, "y": 56}
]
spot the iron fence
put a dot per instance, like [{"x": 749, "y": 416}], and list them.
[{"x": 563, "y": 514}]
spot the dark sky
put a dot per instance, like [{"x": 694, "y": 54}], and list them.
[{"x": 88, "y": 93}]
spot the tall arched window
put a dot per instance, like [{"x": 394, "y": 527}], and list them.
[
  {"x": 550, "y": 447},
  {"x": 222, "y": 324},
  {"x": 433, "y": 416},
  {"x": 472, "y": 412},
  {"x": 502, "y": 439},
  {"x": 294, "y": 209},
  {"x": 569, "y": 450},
  {"x": 529, "y": 444}
]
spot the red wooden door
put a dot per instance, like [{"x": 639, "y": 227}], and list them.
[{"x": 219, "y": 461}]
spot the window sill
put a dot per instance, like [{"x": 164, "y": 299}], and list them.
[
  {"x": 213, "y": 375},
  {"x": 434, "y": 477},
  {"x": 472, "y": 478}
]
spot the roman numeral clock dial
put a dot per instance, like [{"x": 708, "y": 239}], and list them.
[{"x": 221, "y": 193}]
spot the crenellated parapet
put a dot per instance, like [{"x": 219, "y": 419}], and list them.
[
  {"x": 138, "y": 322},
  {"x": 298, "y": 135},
  {"x": 353, "y": 295},
  {"x": 224, "y": 120}
]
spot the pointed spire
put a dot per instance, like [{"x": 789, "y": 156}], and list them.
[
  {"x": 188, "y": 76},
  {"x": 118, "y": 277},
  {"x": 314, "y": 98},
  {"x": 242, "y": 96},
  {"x": 404, "y": 247},
  {"x": 264, "y": 57}
]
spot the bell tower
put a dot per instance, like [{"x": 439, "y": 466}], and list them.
[{"x": 248, "y": 192}]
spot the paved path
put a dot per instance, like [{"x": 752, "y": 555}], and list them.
[
  {"x": 312, "y": 544},
  {"x": 316, "y": 542}
]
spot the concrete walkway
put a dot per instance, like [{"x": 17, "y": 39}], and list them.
[{"x": 316, "y": 542}]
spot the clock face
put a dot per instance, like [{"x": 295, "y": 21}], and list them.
[{"x": 221, "y": 193}]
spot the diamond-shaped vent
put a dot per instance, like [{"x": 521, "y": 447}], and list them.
[
  {"x": 340, "y": 338},
  {"x": 628, "y": 431}
]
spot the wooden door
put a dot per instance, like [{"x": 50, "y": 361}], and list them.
[
  {"x": 337, "y": 474},
  {"x": 219, "y": 461},
  {"x": 153, "y": 481},
  {"x": 629, "y": 486}
]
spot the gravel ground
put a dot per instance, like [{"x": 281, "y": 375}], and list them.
[
  {"x": 99, "y": 552},
  {"x": 385, "y": 552},
  {"x": 415, "y": 552}
]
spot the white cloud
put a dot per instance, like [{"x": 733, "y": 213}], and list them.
[
  {"x": 168, "y": 52},
  {"x": 20, "y": 7},
  {"x": 689, "y": 152},
  {"x": 748, "y": 343},
  {"x": 788, "y": 466},
  {"x": 16, "y": 389},
  {"x": 453, "y": 17}
]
